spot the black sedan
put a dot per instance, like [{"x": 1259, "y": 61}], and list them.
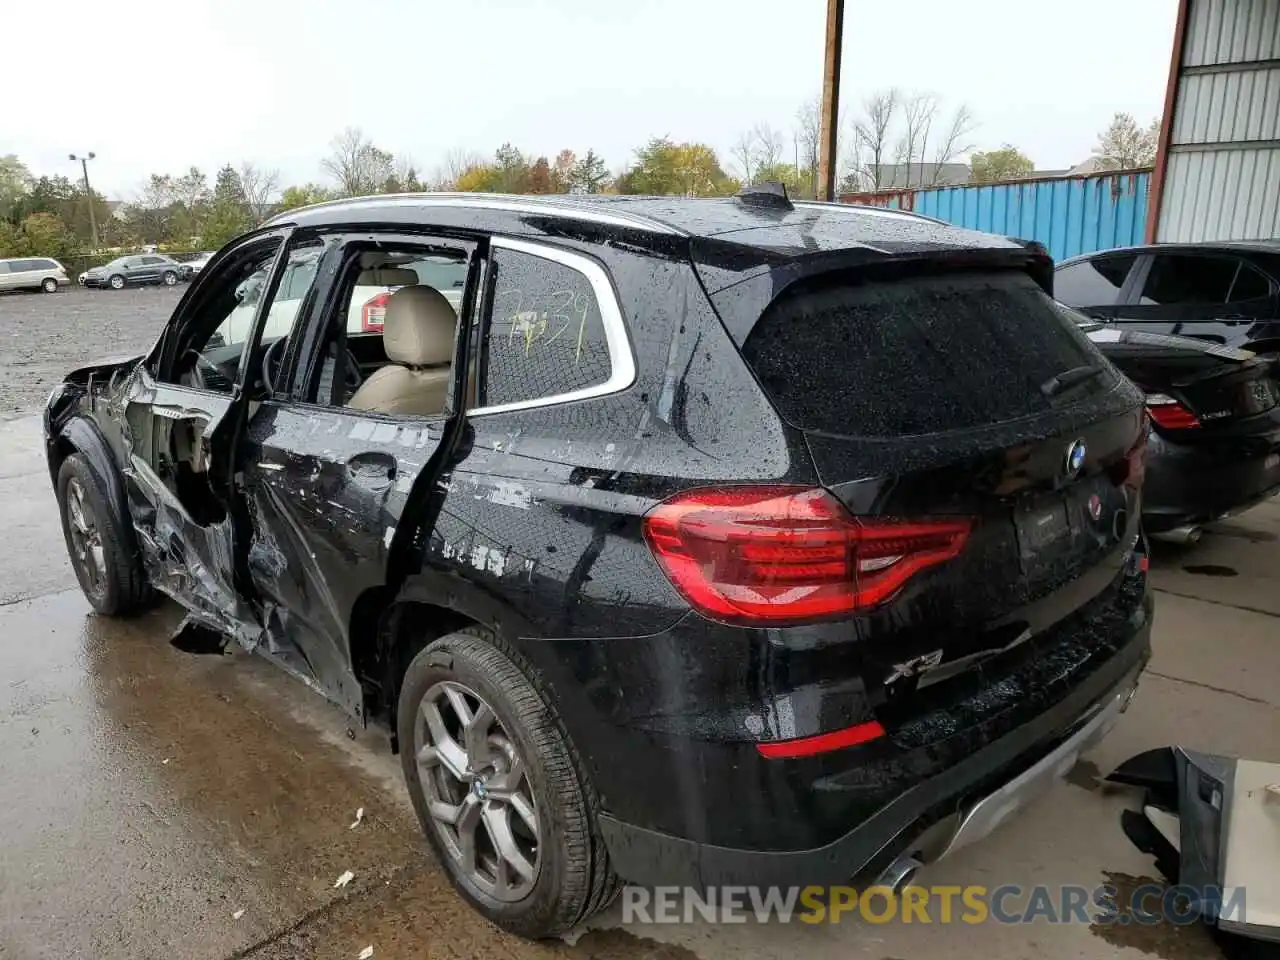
[
  {"x": 1226, "y": 292},
  {"x": 145, "y": 268},
  {"x": 1214, "y": 444}
]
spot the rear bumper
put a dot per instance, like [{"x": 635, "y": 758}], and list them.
[
  {"x": 1193, "y": 484},
  {"x": 953, "y": 807}
]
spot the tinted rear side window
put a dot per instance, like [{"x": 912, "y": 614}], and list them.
[
  {"x": 1092, "y": 283},
  {"x": 917, "y": 356}
]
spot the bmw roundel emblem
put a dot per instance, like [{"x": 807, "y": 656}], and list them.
[{"x": 1074, "y": 460}]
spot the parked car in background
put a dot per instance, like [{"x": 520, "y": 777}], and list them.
[
  {"x": 1214, "y": 446},
  {"x": 196, "y": 264},
  {"x": 32, "y": 273},
  {"x": 1225, "y": 293},
  {"x": 711, "y": 541},
  {"x": 147, "y": 268}
]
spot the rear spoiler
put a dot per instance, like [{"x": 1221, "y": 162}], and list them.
[{"x": 1041, "y": 268}]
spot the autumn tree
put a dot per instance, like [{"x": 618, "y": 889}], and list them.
[
  {"x": 540, "y": 177},
  {"x": 1124, "y": 145},
  {"x": 356, "y": 165},
  {"x": 38, "y": 235},
  {"x": 993, "y": 166},
  {"x": 481, "y": 178},
  {"x": 562, "y": 171}
]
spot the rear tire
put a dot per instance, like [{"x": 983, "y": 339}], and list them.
[
  {"x": 116, "y": 282},
  {"x": 564, "y": 875},
  {"x": 110, "y": 575},
  {"x": 50, "y": 285}
]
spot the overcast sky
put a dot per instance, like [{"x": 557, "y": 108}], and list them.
[{"x": 159, "y": 86}]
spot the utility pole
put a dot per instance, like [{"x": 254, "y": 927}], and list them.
[
  {"x": 88, "y": 193},
  {"x": 830, "y": 101}
]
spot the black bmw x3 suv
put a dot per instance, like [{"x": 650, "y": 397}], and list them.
[{"x": 706, "y": 541}]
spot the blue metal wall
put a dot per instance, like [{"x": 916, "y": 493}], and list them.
[{"x": 1069, "y": 215}]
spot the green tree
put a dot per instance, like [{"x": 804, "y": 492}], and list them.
[
  {"x": 303, "y": 195},
  {"x": 589, "y": 174},
  {"x": 37, "y": 235},
  {"x": 992, "y": 166},
  {"x": 15, "y": 183},
  {"x": 229, "y": 214},
  {"x": 513, "y": 170},
  {"x": 664, "y": 168}
]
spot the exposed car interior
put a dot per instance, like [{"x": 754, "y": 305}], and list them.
[{"x": 388, "y": 347}]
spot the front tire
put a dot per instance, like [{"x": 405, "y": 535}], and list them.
[
  {"x": 50, "y": 285},
  {"x": 110, "y": 575},
  {"x": 170, "y": 278},
  {"x": 499, "y": 789},
  {"x": 116, "y": 282}
]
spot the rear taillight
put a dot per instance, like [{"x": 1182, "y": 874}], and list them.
[
  {"x": 1169, "y": 413},
  {"x": 778, "y": 555},
  {"x": 374, "y": 312}
]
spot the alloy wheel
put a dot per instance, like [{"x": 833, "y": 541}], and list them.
[
  {"x": 170, "y": 278},
  {"x": 117, "y": 282},
  {"x": 86, "y": 539},
  {"x": 50, "y": 285},
  {"x": 478, "y": 792}
]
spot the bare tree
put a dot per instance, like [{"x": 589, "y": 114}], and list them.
[
  {"x": 744, "y": 151},
  {"x": 456, "y": 162},
  {"x": 808, "y": 134},
  {"x": 918, "y": 112},
  {"x": 769, "y": 146},
  {"x": 356, "y": 164},
  {"x": 260, "y": 188},
  {"x": 954, "y": 141},
  {"x": 871, "y": 134}
]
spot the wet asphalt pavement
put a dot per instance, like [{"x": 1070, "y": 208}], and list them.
[{"x": 147, "y": 796}]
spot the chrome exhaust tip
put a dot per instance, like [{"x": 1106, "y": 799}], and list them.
[
  {"x": 899, "y": 874},
  {"x": 1188, "y": 535}
]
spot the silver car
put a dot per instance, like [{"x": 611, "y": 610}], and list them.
[{"x": 32, "y": 273}]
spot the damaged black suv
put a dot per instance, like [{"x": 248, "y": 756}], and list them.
[{"x": 679, "y": 541}]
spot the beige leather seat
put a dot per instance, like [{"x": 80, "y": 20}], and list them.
[
  {"x": 386, "y": 277},
  {"x": 417, "y": 333}
]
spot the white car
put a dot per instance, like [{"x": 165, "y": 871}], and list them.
[
  {"x": 197, "y": 263},
  {"x": 368, "y": 305},
  {"x": 32, "y": 273}
]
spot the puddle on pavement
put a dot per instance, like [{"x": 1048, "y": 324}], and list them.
[
  {"x": 1166, "y": 940},
  {"x": 1211, "y": 570}
]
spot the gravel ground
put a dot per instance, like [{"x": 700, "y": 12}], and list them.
[{"x": 42, "y": 336}]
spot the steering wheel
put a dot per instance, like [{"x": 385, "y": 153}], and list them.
[
  {"x": 203, "y": 367},
  {"x": 273, "y": 357}
]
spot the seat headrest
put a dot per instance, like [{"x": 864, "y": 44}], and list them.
[
  {"x": 386, "y": 277},
  {"x": 418, "y": 328}
]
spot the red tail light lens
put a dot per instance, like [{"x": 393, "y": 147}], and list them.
[
  {"x": 822, "y": 743},
  {"x": 778, "y": 555},
  {"x": 374, "y": 312},
  {"x": 1169, "y": 413}
]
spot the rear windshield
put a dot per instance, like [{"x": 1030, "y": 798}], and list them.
[{"x": 920, "y": 355}]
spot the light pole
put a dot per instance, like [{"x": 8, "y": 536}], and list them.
[{"x": 88, "y": 193}]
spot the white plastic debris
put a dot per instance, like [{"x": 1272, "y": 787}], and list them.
[
  {"x": 165, "y": 760},
  {"x": 366, "y": 953},
  {"x": 342, "y": 881},
  {"x": 238, "y": 914},
  {"x": 359, "y": 816}
]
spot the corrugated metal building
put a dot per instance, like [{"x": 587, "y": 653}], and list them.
[{"x": 1217, "y": 176}]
